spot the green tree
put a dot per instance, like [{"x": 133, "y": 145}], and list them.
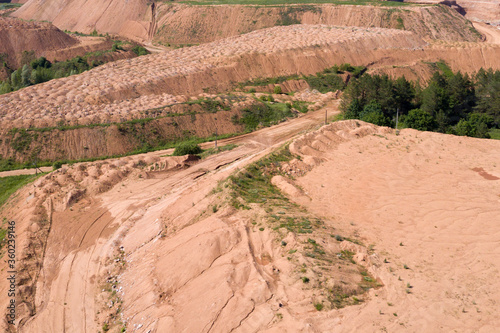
[
  {"x": 420, "y": 120},
  {"x": 353, "y": 110},
  {"x": 464, "y": 128},
  {"x": 372, "y": 113}
]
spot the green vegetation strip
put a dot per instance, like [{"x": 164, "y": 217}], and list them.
[
  {"x": 452, "y": 103},
  {"x": 213, "y": 151},
  {"x": 325, "y": 81},
  {"x": 4, "y": 6}
]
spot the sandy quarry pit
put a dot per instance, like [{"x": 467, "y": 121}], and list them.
[{"x": 425, "y": 200}]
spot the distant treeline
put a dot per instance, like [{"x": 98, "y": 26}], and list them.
[
  {"x": 42, "y": 70},
  {"x": 452, "y": 103}
]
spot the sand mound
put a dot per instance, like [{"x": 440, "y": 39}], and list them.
[{"x": 17, "y": 36}]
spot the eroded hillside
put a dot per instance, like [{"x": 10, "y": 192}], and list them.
[{"x": 190, "y": 248}]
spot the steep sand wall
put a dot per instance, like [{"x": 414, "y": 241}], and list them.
[
  {"x": 187, "y": 24},
  {"x": 125, "y": 18},
  {"x": 182, "y": 24},
  {"x": 114, "y": 140}
]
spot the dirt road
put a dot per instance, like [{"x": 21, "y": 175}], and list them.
[
  {"x": 491, "y": 33},
  {"x": 278, "y": 133},
  {"x": 83, "y": 238}
]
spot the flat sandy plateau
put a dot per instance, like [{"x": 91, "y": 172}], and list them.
[{"x": 425, "y": 200}]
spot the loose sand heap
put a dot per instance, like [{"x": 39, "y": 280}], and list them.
[
  {"x": 116, "y": 91},
  {"x": 147, "y": 249}
]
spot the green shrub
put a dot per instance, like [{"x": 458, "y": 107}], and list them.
[
  {"x": 277, "y": 90},
  {"x": 346, "y": 67},
  {"x": 139, "y": 50},
  {"x": 187, "y": 147},
  {"x": 325, "y": 82},
  {"x": 57, "y": 165}
]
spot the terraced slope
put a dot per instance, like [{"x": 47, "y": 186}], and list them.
[{"x": 122, "y": 90}]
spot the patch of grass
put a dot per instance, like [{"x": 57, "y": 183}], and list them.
[
  {"x": 347, "y": 255},
  {"x": 4, "y": 6},
  {"x": 10, "y": 184},
  {"x": 3, "y": 233},
  {"x": 340, "y": 297},
  {"x": 210, "y": 105},
  {"x": 263, "y": 114},
  {"x": 318, "y": 306},
  {"x": 212, "y": 151},
  {"x": 253, "y": 184},
  {"x": 325, "y": 82},
  {"x": 400, "y": 24},
  {"x": 367, "y": 281},
  {"x": 11, "y": 164},
  {"x": 187, "y": 147}
]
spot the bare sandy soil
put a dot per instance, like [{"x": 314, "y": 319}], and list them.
[
  {"x": 425, "y": 200},
  {"x": 491, "y": 33},
  {"x": 75, "y": 189},
  {"x": 149, "y": 248},
  {"x": 117, "y": 91}
]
